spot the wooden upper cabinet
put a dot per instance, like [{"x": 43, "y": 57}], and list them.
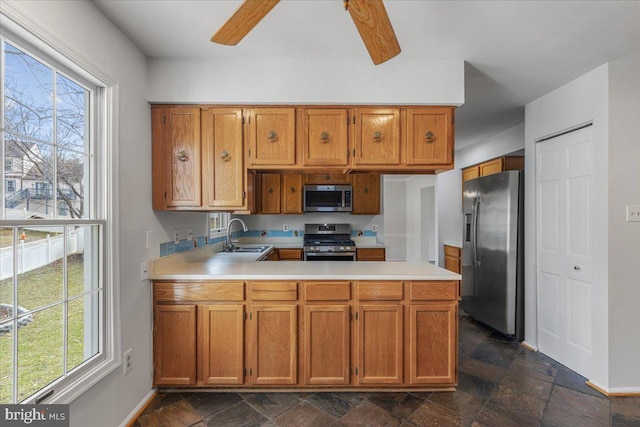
[
  {"x": 269, "y": 193},
  {"x": 291, "y": 192},
  {"x": 324, "y": 135},
  {"x": 492, "y": 166},
  {"x": 222, "y": 152},
  {"x": 376, "y": 136},
  {"x": 176, "y": 157},
  {"x": 429, "y": 136},
  {"x": 366, "y": 194},
  {"x": 326, "y": 178},
  {"x": 272, "y": 137},
  {"x": 469, "y": 173}
]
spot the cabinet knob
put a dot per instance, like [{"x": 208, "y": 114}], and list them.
[
  {"x": 272, "y": 136},
  {"x": 182, "y": 156},
  {"x": 271, "y": 191},
  {"x": 429, "y": 137},
  {"x": 225, "y": 155},
  {"x": 366, "y": 190},
  {"x": 377, "y": 136},
  {"x": 324, "y": 137},
  {"x": 293, "y": 189}
]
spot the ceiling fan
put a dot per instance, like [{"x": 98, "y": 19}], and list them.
[{"x": 369, "y": 16}]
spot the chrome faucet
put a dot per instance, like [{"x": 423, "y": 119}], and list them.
[{"x": 229, "y": 244}]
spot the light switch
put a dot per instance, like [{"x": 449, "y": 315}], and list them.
[{"x": 633, "y": 213}]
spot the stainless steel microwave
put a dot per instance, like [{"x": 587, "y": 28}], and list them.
[{"x": 328, "y": 198}]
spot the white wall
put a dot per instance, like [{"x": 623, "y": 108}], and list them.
[
  {"x": 417, "y": 219},
  {"x": 82, "y": 28},
  {"x": 624, "y": 237},
  {"x": 579, "y": 101},
  {"x": 303, "y": 81},
  {"x": 395, "y": 218},
  {"x": 297, "y": 222},
  {"x": 450, "y": 182}
]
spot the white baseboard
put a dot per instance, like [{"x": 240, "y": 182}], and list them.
[
  {"x": 529, "y": 346},
  {"x": 614, "y": 391},
  {"x": 136, "y": 411}
]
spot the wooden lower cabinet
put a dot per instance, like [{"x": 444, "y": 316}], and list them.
[
  {"x": 174, "y": 345},
  {"x": 453, "y": 258},
  {"x": 221, "y": 340},
  {"x": 339, "y": 334},
  {"x": 274, "y": 331},
  {"x": 327, "y": 344},
  {"x": 380, "y": 344}
]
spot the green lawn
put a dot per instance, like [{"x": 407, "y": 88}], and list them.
[{"x": 40, "y": 344}]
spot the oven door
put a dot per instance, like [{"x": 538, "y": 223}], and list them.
[{"x": 329, "y": 256}]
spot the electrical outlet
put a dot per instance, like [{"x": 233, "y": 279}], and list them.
[
  {"x": 127, "y": 360},
  {"x": 149, "y": 239},
  {"x": 144, "y": 271},
  {"x": 285, "y": 227},
  {"x": 176, "y": 237},
  {"x": 374, "y": 227},
  {"x": 189, "y": 234},
  {"x": 633, "y": 213}
]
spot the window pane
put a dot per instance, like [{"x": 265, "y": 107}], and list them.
[
  {"x": 82, "y": 259},
  {"x": 28, "y": 95},
  {"x": 6, "y": 361},
  {"x": 82, "y": 330},
  {"x": 40, "y": 270},
  {"x": 40, "y": 350},
  {"x": 71, "y": 115},
  {"x": 6, "y": 267},
  {"x": 71, "y": 174}
]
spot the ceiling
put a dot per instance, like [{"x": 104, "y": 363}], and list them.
[{"x": 514, "y": 51}]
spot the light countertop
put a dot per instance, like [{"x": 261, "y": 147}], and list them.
[{"x": 206, "y": 264}]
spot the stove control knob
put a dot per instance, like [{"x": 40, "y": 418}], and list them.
[{"x": 342, "y": 248}]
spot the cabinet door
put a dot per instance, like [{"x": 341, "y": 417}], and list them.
[
  {"x": 429, "y": 136},
  {"x": 326, "y": 178},
  {"x": 272, "y": 137},
  {"x": 327, "y": 343},
  {"x": 325, "y": 137},
  {"x": 380, "y": 344},
  {"x": 174, "y": 345},
  {"x": 492, "y": 166},
  {"x": 274, "y": 331},
  {"x": 470, "y": 173},
  {"x": 270, "y": 193},
  {"x": 291, "y": 193},
  {"x": 433, "y": 343},
  {"x": 222, "y": 169},
  {"x": 377, "y": 136},
  {"x": 366, "y": 194},
  {"x": 222, "y": 343},
  {"x": 370, "y": 254},
  {"x": 177, "y": 147}
]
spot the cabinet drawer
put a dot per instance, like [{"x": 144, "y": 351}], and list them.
[
  {"x": 208, "y": 291},
  {"x": 380, "y": 291},
  {"x": 327, "y": 291},
  {"x": 452, "y": 251},
  {"x": 370, "y": 254},
  {"x": 434, "y": 291},
  {"x": 274, "y": 291},
  {"x": 290, "y": 254}
]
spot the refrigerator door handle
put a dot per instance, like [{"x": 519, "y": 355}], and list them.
[{"x": 476, "y": 212}]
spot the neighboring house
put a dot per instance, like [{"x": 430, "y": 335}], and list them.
[{"x": 28, "y": 192}]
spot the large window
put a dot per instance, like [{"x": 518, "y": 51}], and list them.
[{"x": 53, "y": 300}]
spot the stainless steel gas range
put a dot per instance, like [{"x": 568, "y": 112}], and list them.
[{"x": 328, "y": 242}]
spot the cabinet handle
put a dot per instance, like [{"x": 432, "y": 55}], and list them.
[
  {"x": 272, "y": 136},
  {"x": 225, "y": 155},
  {"x": 293, "y": 189},
  {"x": 324, "y": 137},
  {"x": 377, "y": 136},
  {"x": 271, "y": 191},
  {"x": 182, "y": 156},
  {"x": 366, "y": 190},
  {"x": 429, "y": 137}
]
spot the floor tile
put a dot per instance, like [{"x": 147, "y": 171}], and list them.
[
  {"x": 369, "y": 414},
  {"x": 568, "y": 407},
  {"x": 530, "y": 385},
  {"x": 481, "y": 369},
  {"x": 238, "y": 415},
  {"x": 569, "y": 379},
  {"x": 495, "y": 353},
  {"x": 532, "y": 369},
  {"x": 493, "y": 414},
  {"x": 432, "y": 414},
  {"x": 271, "y": 404},
  {"x": 466, "y": 405},
  {"x": 626, "y": 409},
  {"x": 517, "y": 400},
  {"x": 304, "y": 415},
  {"x": 400, "y": 405},
  {"x": 335, "y": 404},
  {"x": 480, "y": 387},
  {"x": 176, "y": 414},
  {"x": 207, "y": 404}
]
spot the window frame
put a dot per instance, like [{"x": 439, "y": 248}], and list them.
[{"x": 21, "y": 31}]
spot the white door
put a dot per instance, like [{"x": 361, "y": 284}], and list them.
[{"x": 564, "y": 276}]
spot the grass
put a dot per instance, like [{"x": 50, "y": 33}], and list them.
[
  {"x": 6, "y": 236},
  {"x": 40, "y": 344}
]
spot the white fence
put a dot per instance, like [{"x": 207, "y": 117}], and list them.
[{"x": 39, "y": 253}]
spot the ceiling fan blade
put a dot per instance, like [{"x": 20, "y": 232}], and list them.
[
  {"x": 242, "y": 21},
  {"x": 375, "y": 29}
]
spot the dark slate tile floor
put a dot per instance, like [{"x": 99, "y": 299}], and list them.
[{"x": 500, "y": 384}]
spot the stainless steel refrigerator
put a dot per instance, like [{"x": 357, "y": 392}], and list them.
[{"x": 492, "y": 252}]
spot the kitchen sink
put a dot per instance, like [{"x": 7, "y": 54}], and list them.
[{"x": 248, "y": 248}]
